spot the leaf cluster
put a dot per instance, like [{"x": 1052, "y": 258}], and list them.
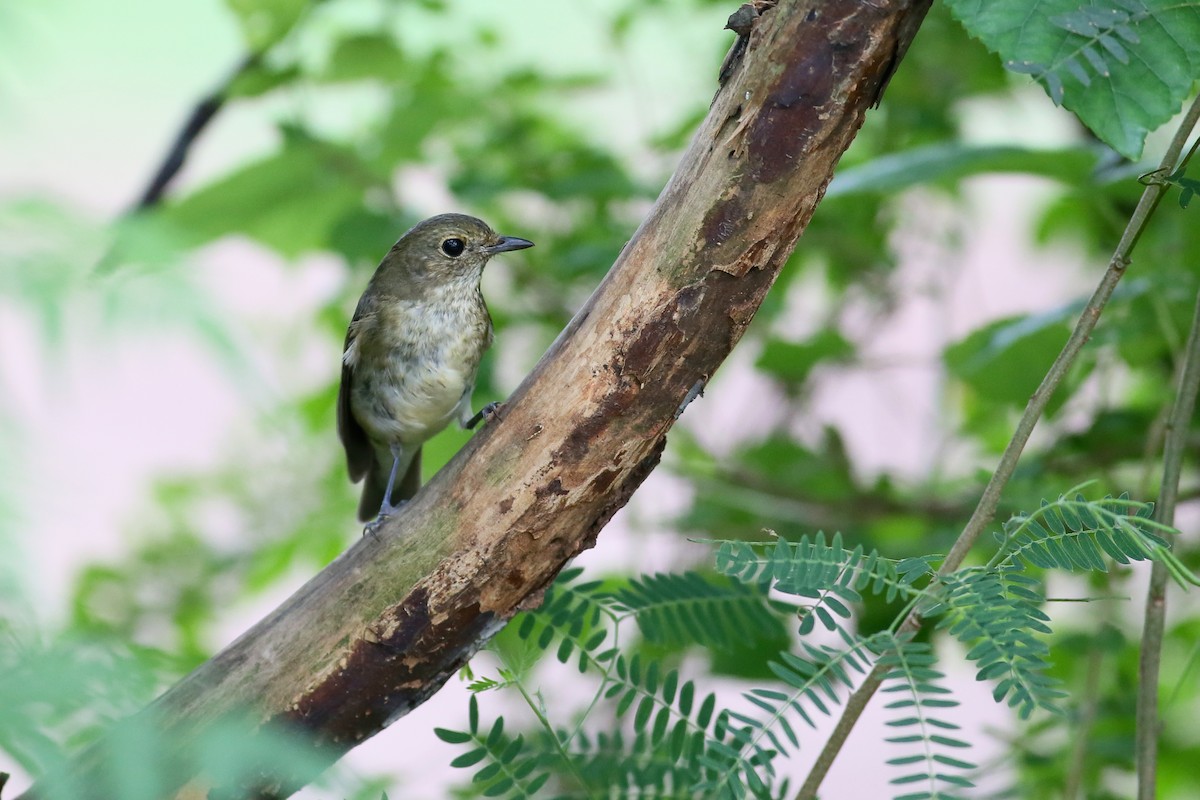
[{"x": 644, "y": 731}]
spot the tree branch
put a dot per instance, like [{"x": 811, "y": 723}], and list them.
[{"x": 382, "y": 628}]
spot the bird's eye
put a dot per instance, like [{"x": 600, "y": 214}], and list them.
[{"x": 453, "y": 247}]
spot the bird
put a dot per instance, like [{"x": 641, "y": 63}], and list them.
[{"x": 412, "y": 353}]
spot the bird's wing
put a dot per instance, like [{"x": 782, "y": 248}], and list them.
[{"x": 359, "y": 453}]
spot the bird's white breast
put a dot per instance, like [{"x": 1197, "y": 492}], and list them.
[{"x": 430, "y": 359}]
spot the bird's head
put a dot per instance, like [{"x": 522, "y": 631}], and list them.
[{"x": 447, "y": 248}]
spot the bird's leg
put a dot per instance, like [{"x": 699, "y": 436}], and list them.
[
  {"x": 486, "y": 414},
  {"x": 386, "y": 508}
]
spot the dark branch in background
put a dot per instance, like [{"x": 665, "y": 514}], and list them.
[
  {"x": 741, "y": 489},
  {"x": 202, "y": 114},
  {"x": 1155, "y": 189}
]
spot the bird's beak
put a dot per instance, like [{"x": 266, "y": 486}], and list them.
[{"x": 507, "y": 243}]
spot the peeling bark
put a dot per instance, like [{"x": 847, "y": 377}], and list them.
[{"x": 382, "y": 628}]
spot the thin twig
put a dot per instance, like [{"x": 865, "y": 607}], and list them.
[
  {"x": 538, "y": 712},
  {"x": 202, "y": 114},
  {"x": 1155, "y": 189},
  {"x": 1084, "y": 723},
  {"x": 1156, "y": 597}
]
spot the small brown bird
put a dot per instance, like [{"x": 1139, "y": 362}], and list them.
[{"x": 412, "y": 352}]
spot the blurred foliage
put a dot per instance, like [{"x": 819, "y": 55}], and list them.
[{"x": 387, "y": 108}]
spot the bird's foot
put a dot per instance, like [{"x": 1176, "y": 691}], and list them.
[
  {"x": 371, "y": 528},
  {"x": 489, "y": 413},
  {"x": 385, "y": 511}
]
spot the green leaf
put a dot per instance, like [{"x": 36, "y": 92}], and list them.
[
  {"x": 706, "y": 709},
  {"x": 625, "y": 702},
  {"x": 266, "y": 22},
  {"x": 1123, "y": 66},
  {"x": 1004, "y": 362},
  {"x": 289, "y": 201},
  {"x": 366, "y": 56},
  {"x": 498, "y": 788},
  {"x": 947, "y": 741},
  {"x": 642, "y": 715},
  {"x": 792, "y": 362},
  {"x": 537, "y": 783},
  {"x": 952, "y": 762},
  {"x": 952, "y": 161},
  {"x": 487, "y": 773},
  {"x": 497, "y": 731},
  {"x": 686, "y": 694},
  {"x": 258, "y": 79},
  {"x": 689, "y": 608},
  {"x": 904, "y": 760},
  {"x": 469, "y": 758},
  {"x": 452, "y": 737}
]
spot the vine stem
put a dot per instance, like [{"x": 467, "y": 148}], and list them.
[
  {"x": 1150, "y": 657},
  {"x": 558, "y": 744},
  {"x": 608, "y": 670},
  {"x": 1156, "y": 187}
]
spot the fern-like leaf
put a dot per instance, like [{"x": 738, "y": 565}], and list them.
[
  {"x": 671, "y": 729},
  {"x": 1076, "y": 534},
  {"x": 826, "y": 573},
  {"x": 630, "y": 767},
  {"x": 506, "y": 768},
  {"x": 576, "y": 616},
  {"x": 997, "y": 614},
  {"x": 921, "y": 702},
  {"x": 742, "y": 764},
  {"x": 690, "y": 608}
]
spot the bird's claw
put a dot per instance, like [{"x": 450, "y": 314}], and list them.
[
  {"x": 491, "y": 412},
  {"x": 488, "y": 413},
  {"x": 385, "y": 511}
]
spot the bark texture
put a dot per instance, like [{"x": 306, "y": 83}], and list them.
[{"x": 381, "y": 629}]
